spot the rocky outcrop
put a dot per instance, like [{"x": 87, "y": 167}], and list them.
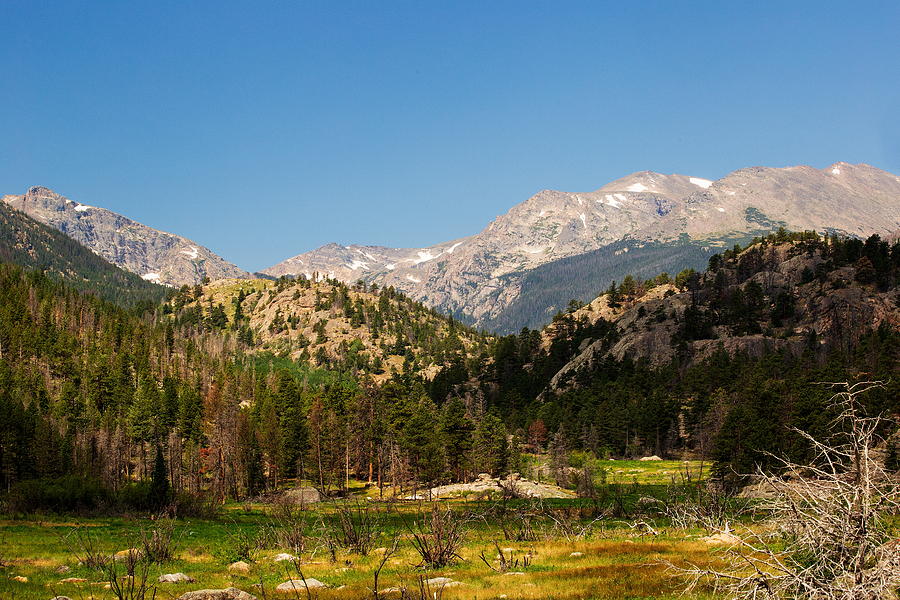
[
  {"x": 832, "y": 310},
  {"x": 481, "y": 276},
  {"x": 485, "y": 486},
  {"x": 155, "y": 255}
]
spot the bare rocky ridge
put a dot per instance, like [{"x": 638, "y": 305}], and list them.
[
  {"x": 477, "y": 277},
  {"x": 154, "y": 255}
]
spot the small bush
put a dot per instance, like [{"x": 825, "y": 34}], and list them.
[
  {"x": 197, "y": 506},
  {"x": 65, "y": 494},
  {"x": 137, "y": 496}
]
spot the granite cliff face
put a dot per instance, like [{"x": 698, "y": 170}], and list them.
[
  {"x": 480, "y": 277},
  {"x": 155, "y": 255}
]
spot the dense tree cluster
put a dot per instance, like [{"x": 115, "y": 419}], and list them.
[
  {"x": 187, "y": 398},
  {"x": 89, "y": 389},
  {"x": 730, "y": 408}
]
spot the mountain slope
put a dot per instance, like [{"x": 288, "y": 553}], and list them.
[
  {"x": 356, "y": 329},
  {"x": 479, "y": 278},
  {"x": 154, "y": 255},
  {"x": 35, "y": 246},
  {"x": 806, "y": 295}
]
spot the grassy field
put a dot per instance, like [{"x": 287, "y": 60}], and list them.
[
  {"x": 611, "y": 560},
  {"x": 659, "y": 472}
]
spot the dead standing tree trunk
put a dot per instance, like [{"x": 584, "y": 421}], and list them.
[{"x": 828, "y": 536}]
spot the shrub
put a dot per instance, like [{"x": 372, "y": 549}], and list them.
[
  {"x": 64, "y": 494},
  {"x": 137, "y": 496}
]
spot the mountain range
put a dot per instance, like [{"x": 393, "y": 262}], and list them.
[
  {"x": 156, "y": 256},
  {"x": 528, "y": 263}
]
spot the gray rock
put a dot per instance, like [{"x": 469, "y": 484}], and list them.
[
  {"x": 226, "y": 594},
  {"x": 284, "y": 556},
  {"x": 300, "y": 585},
  {"x": 239, "y": 567},
  {"x": 176, "y": 578},
  {"x": 442, "y": 582},
  {"x": 302, "y": 495}
]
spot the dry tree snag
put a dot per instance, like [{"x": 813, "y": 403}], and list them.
[
  {"x": 438, "y": 536},
  {"x": 828, "y": 534}
]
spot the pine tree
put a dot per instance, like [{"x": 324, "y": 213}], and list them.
[{"x": 159, "y": 481}]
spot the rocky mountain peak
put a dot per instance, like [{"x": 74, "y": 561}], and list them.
[
  {"x": 155, "y": 255},
  {"x": 482, "y": 276}
]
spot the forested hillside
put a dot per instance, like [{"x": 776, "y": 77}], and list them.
[
  {"x": 359, "y": 329},
  {"x": 28, "y": 243},
  {"x": 90, "y": 390},
  {"x": 580, "y": 277},
  {"x": 234, "y": 388},
  {"x": 716, "y": 364}
]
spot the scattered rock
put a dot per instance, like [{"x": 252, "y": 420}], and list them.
[
  {"x": 722, "y": 538},
  {"x": 577, "y": 554},
  {"x": 485, "y": 485},
  {"x": 73, "y": 580},
  {"x": 300, "y": 585},
  {"x": 134, "y": 553},
  {"x": 284, "y": 556},
  {"x": 20, "y": 579},
  {"x": 303, "y": 495},
  {"x": 442, "y": 582},
  {"x": 176, "y": 578},
  {"x": 63, "y": 569},
  {"x": 239, "y": 567},
  {"x": 654, "y": 457},
  {"x": 226, "y": 594}
]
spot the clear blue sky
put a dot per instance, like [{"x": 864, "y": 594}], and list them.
[{"x": 269, "y": 128}]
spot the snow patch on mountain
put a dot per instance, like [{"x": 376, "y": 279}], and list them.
[
  {"x": 358, "y": 264},
  {"x": 424, "y": 256},
  {"x": 699, "y": 181}
]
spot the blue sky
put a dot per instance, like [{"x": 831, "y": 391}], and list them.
[{"x": 266, "y": 129}]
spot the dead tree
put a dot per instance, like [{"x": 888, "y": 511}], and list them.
[{"x": 828, "y": 535}]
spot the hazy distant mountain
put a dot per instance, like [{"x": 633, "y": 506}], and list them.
[
  {"x": 487, "y": 278},
  {"x": 155, "y": 255}
]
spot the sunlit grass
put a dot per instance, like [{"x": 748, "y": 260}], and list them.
[{"x": 614, "y": 563}]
